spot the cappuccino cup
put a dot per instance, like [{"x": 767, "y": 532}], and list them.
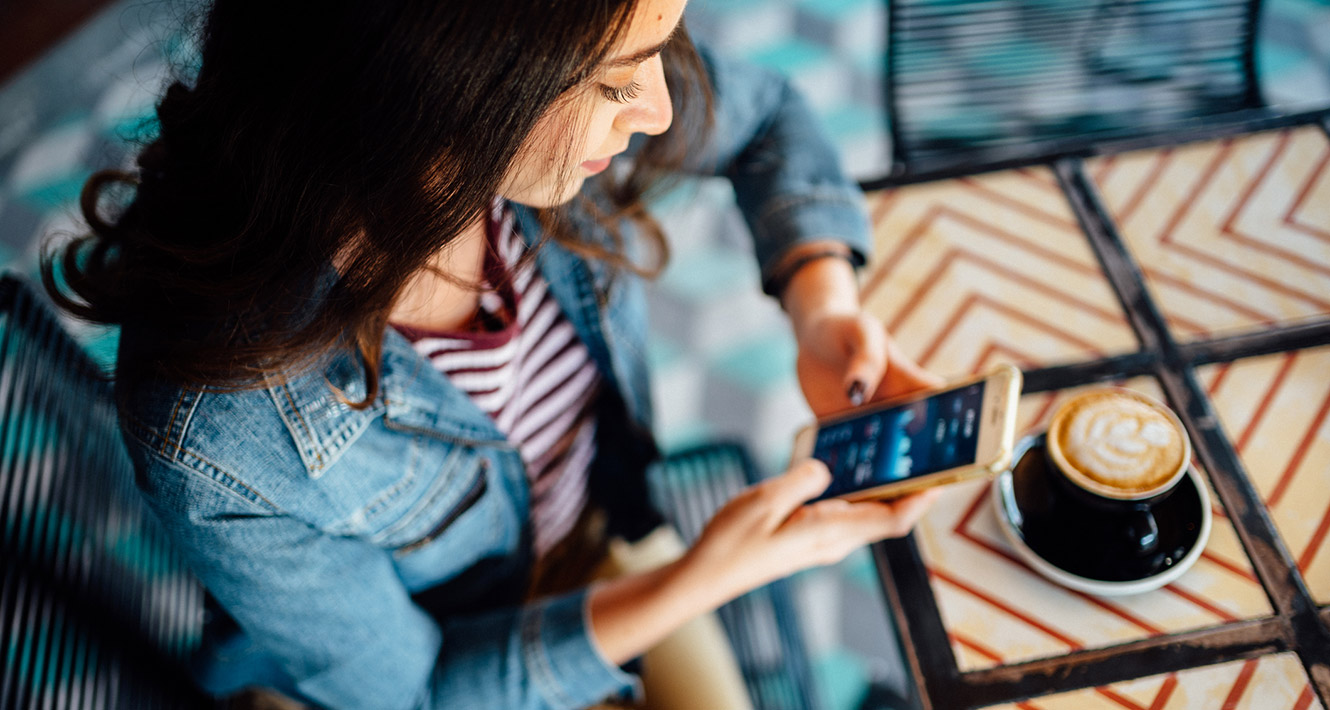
[
  {"x": 1118, "y": 445},
  {"x": 1119, "y": 451}
]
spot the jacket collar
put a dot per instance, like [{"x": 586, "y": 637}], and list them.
[{"x": 415, "y": 396}]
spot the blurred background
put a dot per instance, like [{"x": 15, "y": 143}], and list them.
[{"x": 79, "y": 79}]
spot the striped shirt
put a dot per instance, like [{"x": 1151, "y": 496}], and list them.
[{"x": 522, "y": 363}]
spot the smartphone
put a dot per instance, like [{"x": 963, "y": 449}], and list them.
[{"x": 889, "y": 449}]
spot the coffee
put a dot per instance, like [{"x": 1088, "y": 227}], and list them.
[{"x": 1119, "y": 444}]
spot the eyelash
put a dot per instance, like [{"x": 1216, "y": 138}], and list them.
[{"x": 621, "y": 94}]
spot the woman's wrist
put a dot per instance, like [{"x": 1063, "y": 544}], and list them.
[
  {"x": 819, "y": 287},
  {"x": 631, "y": 614}
]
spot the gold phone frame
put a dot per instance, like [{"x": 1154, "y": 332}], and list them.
[{"x": 993, "y": 450}]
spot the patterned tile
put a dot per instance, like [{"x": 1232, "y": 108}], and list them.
[
  {"x": 1231, "y": 234},
  {"x": 990, "y": 268},
  {"x": 1275, "y": 682},
  {"x": 1276, "y": 410},
  {"x": 997, "y": 610}
]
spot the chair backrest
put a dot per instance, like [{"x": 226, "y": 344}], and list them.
[
  {"x": 762, "y": 625},
  {"x": 96, "y": 609},
  {"x": 977, "y": 82}
]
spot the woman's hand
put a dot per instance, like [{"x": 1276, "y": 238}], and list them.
[
  {"x": 770, "y": 530},
  {"x": 847, "y": 359},
  {"x": 766, "y": 532},
  {"x": 845, "y": 356}
]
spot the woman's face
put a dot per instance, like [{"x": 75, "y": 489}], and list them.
[{"x": 626, "y": 94}]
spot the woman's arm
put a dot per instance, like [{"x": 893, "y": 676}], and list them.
[
  {"x": 767, "y": 532},
  {"x": 787, "y": 177},
  {"x": 845, "y": 356},
  {"x": 798, "y": 202}
]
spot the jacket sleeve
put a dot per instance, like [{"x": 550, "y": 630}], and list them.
[
  {"x": 787, "y": 177},
  {"x": 334, "y": 614}
]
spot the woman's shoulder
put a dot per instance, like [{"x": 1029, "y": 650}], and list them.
[{"x": 265, "y": 444}]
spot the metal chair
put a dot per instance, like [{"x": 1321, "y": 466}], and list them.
[
  {"x": 763, "y": 626},
  {"x": 96, "y": 610},
  {"x": 978, "y": 84}
]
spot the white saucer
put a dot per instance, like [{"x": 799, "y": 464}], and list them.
[{"x": 1010, "y": 519}]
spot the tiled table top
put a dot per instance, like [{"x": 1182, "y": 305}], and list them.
[
  {"x": 1271, "y": 683},
  {"x": 1275, "y": 409},
  {"x": 995, "y": 265},
  {"x": 1231, "y": 236}
]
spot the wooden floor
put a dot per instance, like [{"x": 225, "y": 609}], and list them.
[{"x": 28, "y": 27}]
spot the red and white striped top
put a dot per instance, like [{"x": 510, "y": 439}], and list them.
[{"x": 524, "y": 365}]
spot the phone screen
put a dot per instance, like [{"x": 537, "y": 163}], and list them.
[{"x": 910, "y": 440}]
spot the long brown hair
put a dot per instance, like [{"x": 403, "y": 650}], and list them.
[{"x": 313, "y": 135}]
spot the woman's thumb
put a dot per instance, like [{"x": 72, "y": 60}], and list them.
[{"x": 804, "y": 481}]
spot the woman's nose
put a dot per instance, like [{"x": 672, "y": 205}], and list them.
[{"x": 651, "y": 112}]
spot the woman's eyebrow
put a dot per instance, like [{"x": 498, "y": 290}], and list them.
[{"x": 643, "y": 55}]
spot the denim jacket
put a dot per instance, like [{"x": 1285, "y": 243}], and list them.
[{"x": 369, "y": 557}]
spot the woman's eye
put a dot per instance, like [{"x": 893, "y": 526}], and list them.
[{"x": 621, "y": 94}]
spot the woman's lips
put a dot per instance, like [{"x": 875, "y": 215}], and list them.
[{"x": 595, "y": 166}]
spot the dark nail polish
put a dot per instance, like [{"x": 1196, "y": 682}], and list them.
[{"x": 856, "y": 393}]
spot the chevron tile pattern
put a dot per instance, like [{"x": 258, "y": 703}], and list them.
[
  {"x": 1231, "y": 234},
  {"x": 1276, "y": 410},
  {"x": 973, "y": 271},
  {"x": 1270, "y": 683},
  {"x": 990, "y": 267}
]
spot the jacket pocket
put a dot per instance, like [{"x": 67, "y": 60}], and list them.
[{"x": 469, "y": 499}]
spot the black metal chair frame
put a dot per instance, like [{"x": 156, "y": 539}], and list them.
[
  {"x": 96, "y": 609},
  {"x": 1244, "y": 113}
]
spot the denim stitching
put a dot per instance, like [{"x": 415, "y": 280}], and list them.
[
  {"x": 542, "y": 673},
  {"x": 187, "y": 459},
  {"x": 170, "y": 426},
  {"x": 304, "y": 447},
  {"x": 783, "y": 204},
  {"x": 314, "y": 448}
]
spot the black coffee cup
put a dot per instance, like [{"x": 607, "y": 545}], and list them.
[{"x": 1120, "y": 452}]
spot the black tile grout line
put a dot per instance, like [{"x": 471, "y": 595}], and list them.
[
  {"x": 1277, "y": 339},
  {"x": 1275, "y": 567},
  {"x": 1269, "y": 341},
  {"x": 1059, "y": 377},
  {"x": 904, "y": 581},
  {"x": 1101, "y": 666},
  {"x": 995, "y": 158}
]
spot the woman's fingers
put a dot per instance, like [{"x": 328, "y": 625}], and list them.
[
  {"x": 911, "y": 508},
  {"x": 904, "y": 375},
  {"x": 865, "y": 345},
  {"x": 784, "y": 494},
  {"x": 836, "y": 527}
]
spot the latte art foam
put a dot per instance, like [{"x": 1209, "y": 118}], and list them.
[{"x": 1119, "y": 441}]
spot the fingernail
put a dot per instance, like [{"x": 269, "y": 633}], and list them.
[{"x": 856, "y": 393}]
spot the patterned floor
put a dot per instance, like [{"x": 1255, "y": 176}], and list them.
[{"x": 968, "y": 272}]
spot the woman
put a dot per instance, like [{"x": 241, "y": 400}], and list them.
[{"x": 372, "y": 244}]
